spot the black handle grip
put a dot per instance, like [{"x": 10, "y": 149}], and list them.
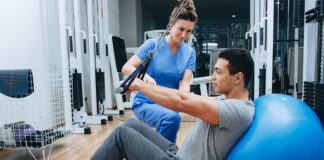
[
  {"x": 139, "y": 73},
  {"x": 85, "y": 46},
  {"x": 128, "y": 81},
  {"x": 261, "y": 36},
  {"x": 71, "y": 43},
  {"x": 107, "y": 50},
  {"x": 255, "y": 40},
  {"x": 265, "y": 34},
  {"x": 97, "y": 48}
]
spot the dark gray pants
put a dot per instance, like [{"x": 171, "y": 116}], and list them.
[{"x": 135, "y": 140}]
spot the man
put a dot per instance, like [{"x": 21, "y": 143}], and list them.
[{"x": 222, "y": 120}]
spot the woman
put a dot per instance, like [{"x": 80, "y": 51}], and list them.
[{"x": 171, "y": 67}]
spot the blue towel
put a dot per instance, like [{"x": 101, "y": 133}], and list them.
[{"x": 16, "y": 83}]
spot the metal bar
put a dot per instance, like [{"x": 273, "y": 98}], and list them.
[
  {"x": 65, "y": 65},
  {"x": 269, "y": 66},
  {"x": 296, "y": 63},
  {"x": 92, "y": 58},
  {"x": 77, "y": 25}
]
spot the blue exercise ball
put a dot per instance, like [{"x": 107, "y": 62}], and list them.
[{"x": 283, "y": 128}]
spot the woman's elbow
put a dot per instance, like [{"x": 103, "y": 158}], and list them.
[{"x": 124, "y": 69}]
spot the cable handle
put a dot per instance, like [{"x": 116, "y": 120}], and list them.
[
  {"x": 138, "y": 73},
  {"x": 128, "y": 81}
]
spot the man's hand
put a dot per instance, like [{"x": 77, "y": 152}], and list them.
[
  {"x": 133, "y": 87},
  {"x": 149, "y": 80}
]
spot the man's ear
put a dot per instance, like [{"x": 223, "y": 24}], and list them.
[{"x": 239, "y": 78}]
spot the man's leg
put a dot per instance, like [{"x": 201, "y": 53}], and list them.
[
  {"x": 166, "y": 121},
  {"x": 152, "y": 136},
  {"x": 125, "y": 142}
]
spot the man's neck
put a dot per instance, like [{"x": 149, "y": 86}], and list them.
[{"x": 241, "y": 94}]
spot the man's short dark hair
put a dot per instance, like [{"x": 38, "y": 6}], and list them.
[{"x": 239, "y": 61}]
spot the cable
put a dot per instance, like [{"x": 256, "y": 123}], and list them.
[{"x": 123, "y": 120}]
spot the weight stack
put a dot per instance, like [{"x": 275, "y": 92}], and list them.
[
  {"x": 309, "y": 94},
  {"x": 314, "y": 98},
  {"x": 319, "y": 101}
]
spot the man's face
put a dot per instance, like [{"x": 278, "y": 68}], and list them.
[{"x": 223, "y": 82}]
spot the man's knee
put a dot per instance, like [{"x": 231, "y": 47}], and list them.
[
  {"x": 123, "y": 133},
  {"x": 120, "y": 131},
  {"x": 131, "y": 122},
  {"x": 116, "y": 135}
]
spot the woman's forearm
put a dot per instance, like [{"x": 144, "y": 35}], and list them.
[
  {"x": 131, "y": 65},
  {"x": 185, "y": 81},
  {"x": 184, "y": 86},
  {"x": 128, "y": 69}
]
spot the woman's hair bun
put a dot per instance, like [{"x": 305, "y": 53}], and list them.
[
  {"x": 187, "y": 13},
  {"x": 189, "y": 5}
]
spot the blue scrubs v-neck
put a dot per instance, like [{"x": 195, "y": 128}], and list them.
[{"x": 165, "y": 68}]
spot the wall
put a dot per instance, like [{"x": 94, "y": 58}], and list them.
[
  {"x": 139, "y": 25},
  {"x": 85, "y": 57},
  {"x": 151, "y": 22},
  {"x": 113, "y": 16},
  {"x": 21, "y": 35},
  {"x": 131, "y": 22},
  {"x": 30, "y": 40}
]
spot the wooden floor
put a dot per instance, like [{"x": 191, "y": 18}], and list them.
[{"x": 81, "y": 147}]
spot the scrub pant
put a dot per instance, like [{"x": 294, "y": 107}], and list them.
[
  {"x": 166, "y": 121},
  {"x": 135, "y": 140}
]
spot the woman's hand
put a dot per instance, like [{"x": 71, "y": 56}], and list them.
[{"x": 149, "y": 80}]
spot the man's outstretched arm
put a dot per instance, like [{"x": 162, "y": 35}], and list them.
[{"x": 202, "y": 107}]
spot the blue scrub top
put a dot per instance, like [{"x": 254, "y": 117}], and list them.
[{"x": 165, "y": 68}]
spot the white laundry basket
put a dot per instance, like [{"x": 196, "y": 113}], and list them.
[{"x": 37, "y": 119}]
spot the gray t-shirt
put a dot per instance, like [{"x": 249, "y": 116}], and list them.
[{"x": 210, "y": 142}]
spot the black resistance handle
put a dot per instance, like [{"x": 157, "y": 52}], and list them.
[{"x": 139, "y": 73}]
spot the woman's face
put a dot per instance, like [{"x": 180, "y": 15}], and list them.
[{"x": 181, "y": 30}]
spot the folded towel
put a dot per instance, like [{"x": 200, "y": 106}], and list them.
[
  {"x": 16, "y": 83},
  {"x": 21, "y": 131}
]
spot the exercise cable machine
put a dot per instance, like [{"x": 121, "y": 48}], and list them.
[{"x": 313, "y": 94}]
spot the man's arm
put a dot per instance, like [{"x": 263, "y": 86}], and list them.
[{"x": 202, "y": 107}]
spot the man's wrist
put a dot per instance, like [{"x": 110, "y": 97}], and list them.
[{"x": 138, "y": 85}]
